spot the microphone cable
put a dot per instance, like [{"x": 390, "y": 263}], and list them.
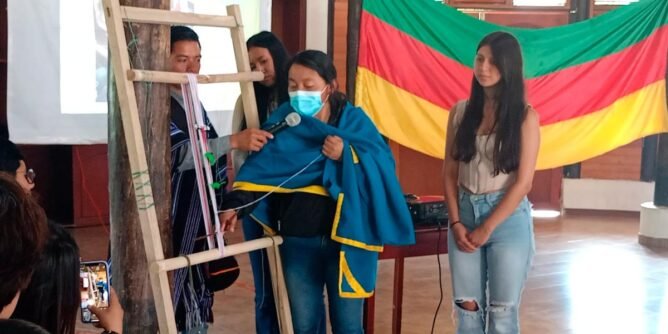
[
  {"x": 440, "y": 280},
  {"x": 317, "y": 158}
]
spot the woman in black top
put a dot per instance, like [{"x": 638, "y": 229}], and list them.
[
  {"x": 266, "y": 54},
  {"x": 310, "y": 255}
]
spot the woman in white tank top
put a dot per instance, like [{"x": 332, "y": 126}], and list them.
[{"x": 491, "y": 149}]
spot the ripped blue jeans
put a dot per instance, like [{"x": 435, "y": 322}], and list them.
[{"x": 494, "y": 275}]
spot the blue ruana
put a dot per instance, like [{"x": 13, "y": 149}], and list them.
[{"x": 371, "y": 210}]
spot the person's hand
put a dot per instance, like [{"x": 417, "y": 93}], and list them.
[
  {"x": 479, "y": 236},
  {"x": 333, "y": 147},
  {"x": 111, "y": 318},
  {"x": 459, "y": 232},
  {"x": 228, "y": 220},
  {"x": 250, "y": 139}
]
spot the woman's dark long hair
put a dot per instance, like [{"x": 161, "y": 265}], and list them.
[
  {"x": 511, "y": 107},
  {"x": 323, "y": 65},
  {"x": 279, "y": 56},
  {"x": 52, "y": 298},
  {"x": 10, "y": 156}
]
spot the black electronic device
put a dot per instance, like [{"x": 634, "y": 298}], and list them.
[{"x": 427, "y": 210}]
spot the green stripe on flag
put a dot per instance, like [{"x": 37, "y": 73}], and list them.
[{"x": 547, "y": 50}]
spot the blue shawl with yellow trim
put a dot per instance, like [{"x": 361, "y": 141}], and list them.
[{"x": 371, "y": 209}]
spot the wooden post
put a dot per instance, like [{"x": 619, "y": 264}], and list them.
[
  {"x": 241, "y": 57},
  {"x": 330, "y": 29},
  {"x": 149, "y": 49},
  {"x": 580, "y": 10},
  {"x": 661, "y": 186},
  {"x": 354, "y": 18}
]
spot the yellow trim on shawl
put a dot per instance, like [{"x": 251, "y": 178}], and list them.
[
  {"x": 344, "y": 271},
  {"x": 249, "y": 186},
  {"x": 349, "y": 242},
  {"x": 356, "y": 160},
  {"x": 267, "y": 230}
]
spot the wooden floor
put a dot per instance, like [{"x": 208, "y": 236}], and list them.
[{"x": 589, "y": 276}]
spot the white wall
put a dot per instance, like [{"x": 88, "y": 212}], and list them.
[
  {"x": 616, "y": 195},
  {"x": 316, "y": 25}
]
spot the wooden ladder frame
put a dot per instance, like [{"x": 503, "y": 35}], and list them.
[{"x": 115, "y": 15}]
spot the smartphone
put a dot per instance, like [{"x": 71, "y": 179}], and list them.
[{"x": 94, "y": 287}]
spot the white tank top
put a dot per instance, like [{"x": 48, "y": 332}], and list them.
[{"x": 477, "y": 175}]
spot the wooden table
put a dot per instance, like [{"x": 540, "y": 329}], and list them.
[{"x": 426, "y": 242}]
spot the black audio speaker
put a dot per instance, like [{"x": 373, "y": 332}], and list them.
[{"x": 427, "y": 210}]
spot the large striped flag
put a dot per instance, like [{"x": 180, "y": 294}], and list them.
[{"x": 597, "y": 84}]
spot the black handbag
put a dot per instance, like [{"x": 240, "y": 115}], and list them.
[{"x": 222, "y": 273}]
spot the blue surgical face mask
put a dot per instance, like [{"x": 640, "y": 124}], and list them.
[{"x": 307, "y": 103}]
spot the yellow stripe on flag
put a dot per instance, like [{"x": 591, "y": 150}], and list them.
[
  {"x": 420, "y": 125},
  {"x": 631, "y": 117},
  {"x": 403, "y": 117}
]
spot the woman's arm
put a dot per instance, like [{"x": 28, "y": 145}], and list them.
[
  {"x": 451, "y": 170},
  {"x": 232, "y": 200},
  {"x": 249, "y": 140},
  {"x": 521, "y": 187},
  {"x": 451, "y": 187}
]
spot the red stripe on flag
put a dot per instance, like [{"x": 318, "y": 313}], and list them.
[
  {"x": 410, "y": 64},
  {"x": 566, "y": 94}
]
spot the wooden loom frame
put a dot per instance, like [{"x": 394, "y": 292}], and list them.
[{"x": 115, "y": 15}]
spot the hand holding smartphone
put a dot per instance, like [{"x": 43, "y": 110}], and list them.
[{"x": 94, "y": 287}]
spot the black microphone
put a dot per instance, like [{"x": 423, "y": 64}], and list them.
[{"x": 292, "y": 119}]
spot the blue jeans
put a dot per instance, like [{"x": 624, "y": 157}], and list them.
[
  {"x": 498, "y": 268},
  {"x": 310, "y": 265},
  {"x": 266, "y": 321}
]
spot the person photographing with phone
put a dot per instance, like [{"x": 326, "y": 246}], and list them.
[{"x": 53, "y": 296}]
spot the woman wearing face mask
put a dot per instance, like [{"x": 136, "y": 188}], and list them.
[
  {"x": 266, "y": 54},
  {"x": 342, "y": 202}
]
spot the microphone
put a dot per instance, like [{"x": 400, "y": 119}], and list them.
[{"x": 292, "y": 119}]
